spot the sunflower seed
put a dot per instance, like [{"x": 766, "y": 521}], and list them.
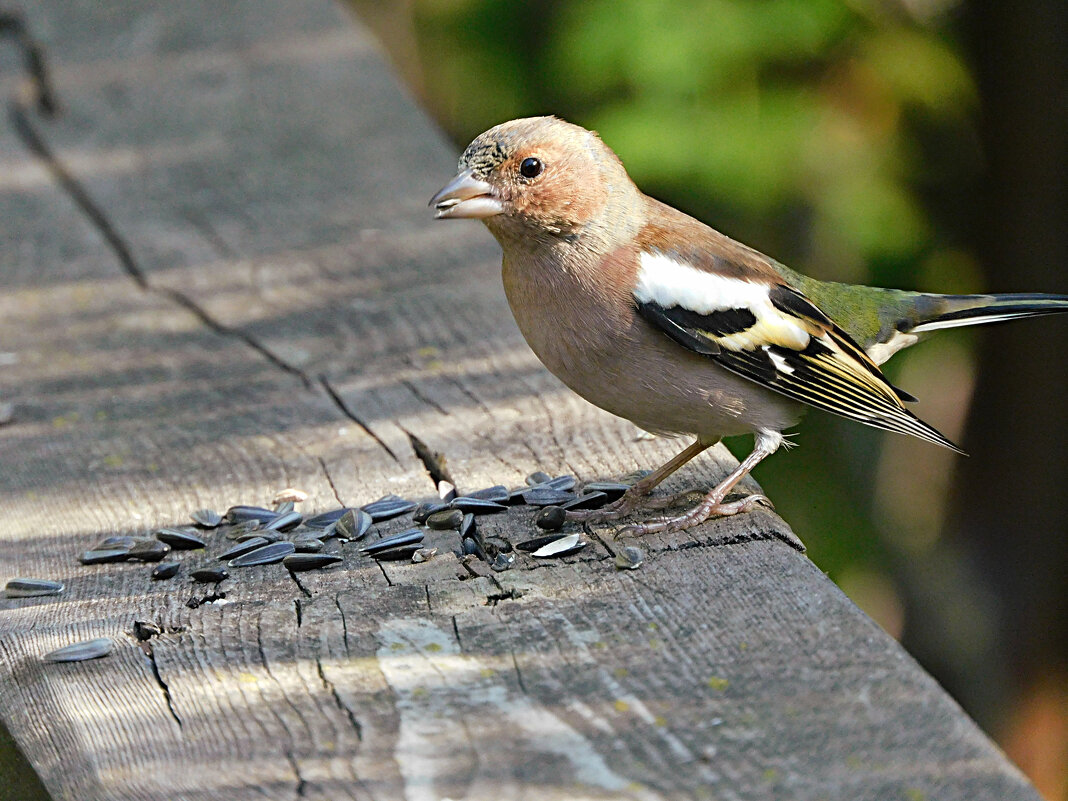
[
  {"x": 326, "y": 519},
  {"x": 561, "y": 483},
  {"x": 118, "y": 541},
  {"x": 81, "y": 651},
  {"x": 445, "y": 520},
  {"x": 31, "y": 588},
  {"x": 515, "y": 497},
  {"x": 477, "y": 506},
  {"x": 238, "y": 530},
  {"x": 468, "y": 526},
  {"x": 388, "y": 507},
  {"x": 208, "y": 518},
  {"x": 308, "y": 545},
  {"x": 180, "y": 539},
  {"x": 243, "y": 548},
  {"x": 243, "y": 514},
  {"x": 165, "y": 570},
  {"x": 298, "y": 562},
  {"x": 210, "y": 575},
  {"x": 399, "y": 553},
  {"x": 101, "y": 555},
  {"x": 267, "y": 555},
  {"x": 407, "y": 537},
  {"x": 551, "y": 518},
  {"x": 497, "y": 493},
  {"x": 260, "y": 534},
  {"x": 284, "y": 507},
  {"x": 629, "y": 558},
  {"x": 471, "y": 546},
  {"x": 613, "y": 489},
  {"x": 561, "y": 547},
  {"x": 149, "y": 551},
  {"x": 589, "y": 500},
  {"x": 546, "y": 496},
  {"x": 538, "y": 477},
  {"x": 353, "y": 525},
  {"x": 424, "y": 510},
  {"x": 285, "y": 522}
]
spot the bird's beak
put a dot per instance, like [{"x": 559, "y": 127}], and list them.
[{"x": 466, "y": 196}]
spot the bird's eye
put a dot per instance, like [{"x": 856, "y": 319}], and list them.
[{"x": 531, "y": 168}]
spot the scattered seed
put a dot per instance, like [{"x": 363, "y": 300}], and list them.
[
  {"x": 613, "y": 489},
  {"x": 243, "y": 547},
  {"x": 502, "y": 561},
  {"x": 326, "y": 519},
  {"x": 81, "y": 651},
  {"x": 260, "y": 534},
  {"x": 468, "y": 526},
  {"x": 561, "y": 483},
  {"x": 533, "y": 544},
  {"x": 308, "y": 545},
  {"x": 31, "y": 588},
  {"x": 239, "y": 530},
  {"x": 267, "y": 555},
  {"x": 471, "y": 546},
  {"x": 546, "y": 496},
  {"x": 210, "y": 575},
  {"x": 102, "y": 555},
  {"x": 354, "y": 524},
  {"x": 445, "y": 520},
  {"x": 590, "y": 500},
  {"x": 497, "y": 493},
  {"x": 298, "y": 562},
  {"x": 561, "y": 547},
  {"x": 243, "y": 514},
  {"x": 538, "y": 477},
  {"x": 284, "y": 522},
  {"x": 146, "y": 631},
  {"x": 208, "y": 518},
  {"x": 629, "y": 558},
  {"x": 284, "y": 507},
  {"x": 551, "y": 518},
  {"x": 180, "y": 539},
  {"x": 165, "y": 570},
  {"x": 424, "y": 510},
  {"x": 515, "y": 497},
  {"x": 400, "y": 553},
  {"x": 407, "y": 537},
  {"x": 388, "y": 507},
  {"x": 477, "y": 506},
  {"x": 148, "y": 551}
]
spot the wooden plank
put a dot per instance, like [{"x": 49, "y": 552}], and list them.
[{"x": 220, "y": 279}]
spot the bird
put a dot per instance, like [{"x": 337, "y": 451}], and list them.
[{"x": 658, "y": 318}]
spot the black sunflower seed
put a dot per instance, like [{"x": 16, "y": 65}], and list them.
[
  {"x": 497, "y": 493},
  {"x": 354, "y": 524},
  {"x": 538, "y": 477},
  {"x": 81, "y": 651},
  {"x": 613, "y": 489},
  {"x": 165, "y": 570},
  {"x": 180, "y": 539},
  {"x": 551, "y": 518},
  {"x": 424, "y": 510},
  {"x": 149, "y": 551},
  {"x": 325, "y": 519},
  {"x": 243, "y": 514},
  {"x": 308, "y": 545},
  {"x": 242, "y": 548},
  {"x": 31, "y": 588},
  {"x": 208, "y": 518},
  {"x": 546, "y": 496},
  {"x": 533, "y": 544},
  {"x": 267, "y": 555},
  {"x": 445, "y": 520},
  {"x": 210, "y": 575},
  {"x": 589, "y": 500},
  {"x": 561, "y": 483},
  {"x": 101, "y": 555},
  {"x": 409, "y": 537},
  {"x": 389, "y": 507},
  {"x": 398, "y": 553},
  {"x": 285, "y": 522},
  {"x": 477, "y": 506},
  {"x": 468, "y": 526},
  {"x": 298, "y": 562}
]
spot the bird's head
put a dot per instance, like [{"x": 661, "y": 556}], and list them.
[{"x": 537, "y": 178}]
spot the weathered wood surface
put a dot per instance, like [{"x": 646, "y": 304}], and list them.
[{"x": 219, "y": 279}]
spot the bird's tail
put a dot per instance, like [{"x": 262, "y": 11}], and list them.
[{"x": 953, "y": 311}]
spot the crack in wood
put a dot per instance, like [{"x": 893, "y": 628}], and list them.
[
  {"x": 150, "y": 656},
  {"x": 424, "y": 399},
  {"x": 434, "y": 461},
  {"x": 14, "y": 25},
  {"x": 294, "y": 765},
  {"x": 301, "y": 587},
  {"x": 349, "y": 413},
  {"x": 329, "y": 687},
  {"x": 330, "y": 479}
]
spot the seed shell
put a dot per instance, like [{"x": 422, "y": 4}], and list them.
[
  {"x": 81, "y": 651},
  {"x": 502, "y": 561},
  {"x": 298, "y": 562},
  {"x": 31, "y": 588},
  {"x": 446, "y": 490},
  {"x": 290, "y": 495},
  {"x": 629, "y": 558},
  {"x": 354, "y": 524},
  {"x": 267, "y": 555},
  {"x": 561, "y": 547},
  {"x": 533, "y": 544}
]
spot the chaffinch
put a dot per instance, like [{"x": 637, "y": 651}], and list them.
[{"x": 654, "y": 316}]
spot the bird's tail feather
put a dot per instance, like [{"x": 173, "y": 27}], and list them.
[{"x": 954, "y": 311}]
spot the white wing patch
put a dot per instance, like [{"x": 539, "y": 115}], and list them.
[{"x": 670, "y": 283}]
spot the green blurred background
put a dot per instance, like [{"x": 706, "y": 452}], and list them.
[{"x": 907, "y": 143}]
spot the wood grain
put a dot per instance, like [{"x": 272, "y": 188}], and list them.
[{"x": 220, "y": 279}]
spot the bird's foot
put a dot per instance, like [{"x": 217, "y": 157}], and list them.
[
  {"x": 709, "y": 507},
  {"x": 631, "y": 501}
]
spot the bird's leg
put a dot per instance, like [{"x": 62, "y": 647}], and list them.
[
  {"x": 767, "y": 442},
  {"x": 634, "y": 497}
]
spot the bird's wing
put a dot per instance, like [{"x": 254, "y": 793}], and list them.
[{"x": 773, "y": 335}]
